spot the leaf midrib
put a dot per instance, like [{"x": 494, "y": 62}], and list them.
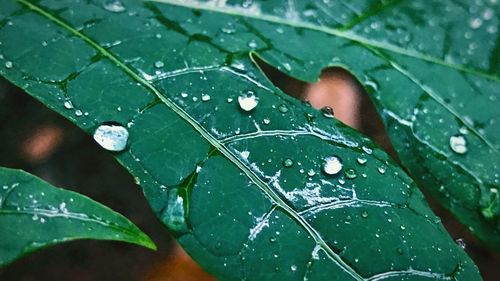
[
  {"x": 346, "y": 34},
  {"x": 213, "y": 141}
]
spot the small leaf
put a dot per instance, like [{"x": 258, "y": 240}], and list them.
[{"x": 34, "y": 215}]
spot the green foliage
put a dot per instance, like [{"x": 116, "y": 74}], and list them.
[
  {"x": 34, "y": 214},
  {"x": 254, "y": 183}
]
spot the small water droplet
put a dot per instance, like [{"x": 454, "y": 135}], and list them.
[
  {"x": 461, "y": 243},
  {"x": 293, "y": 267},
  {"x": 68, "y": 104},
  {"x": 458, "y": 144},
  {"x": 78, "y": 113},
  {"x": 332, "y": 165},
  {"x": 159, "y": 64},
  {"x": 229, "y": 100},
  {"x": 351, "y": 173},
  {"x": 111, "y": 136},
  {"x": 311, "y": 173},
  {"x": 266, "y": 121},
  {"x": 184, "y": 95},
  {"x": 475, "y": 23},
  {"x": 114, "y": 6},
  {"x": 8, "y": 64},
  {"x": 381, "y": 169},
  {"x": 287, "y": 163},
  {"x": 367, "y": 150},
  {"x": 205, "y": 97},
  {"x": 361, "y": 160},
  {"x": 327, "y": 112},
  {"x": 252, "y": 44},
  {"x": 272, "y": 239},
  {"x": 283, "y": 108},
  {"x": 400, "y": 251},
  {"x": 248, "y": 101},
  {"x": 364, "y": 214},
  {"x": 402, "y": 227}
]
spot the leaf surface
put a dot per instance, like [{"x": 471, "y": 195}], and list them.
[
  {"x": 245, "y": 191},
  {"x": 34, "y": 215}
]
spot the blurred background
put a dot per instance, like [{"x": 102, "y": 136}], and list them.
[{"x": 39, "y": 141}]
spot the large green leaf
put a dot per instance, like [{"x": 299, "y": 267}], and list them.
[
  {"x": 34, "y": 215},
  {"x": 244, "y": 191}
]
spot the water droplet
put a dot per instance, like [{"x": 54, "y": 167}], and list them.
[
  {"x": 381, "y": 169},
  {"x": 205, "y": 97},
  {"x": 283, "y": 108},
  {"x": 458, "y": 144},
  {"x": 266, "y": 121},
  {"x": 174, "y": 213},
  {"x": 252, "y": 44},
  {"x": 327, "y": 112},
  {"x": 361, "y": 160},
  {"x": 293, "y": 267},
  {"x": 272, "y": 239},
  {"x": 248, "y": 101},
  {"x": 218, "y": 245},
  {"x": 229, "y": 100},
  {"x": 402, "y": 227},
  {"x": 114, "y": 6},
  {"x": 461, "y": 243},
  {"x": 351, "y": 173},
  {"x": 287, "y": 163},
  {"x": 367, "y": 150},
  {"x": 364, "y": 214},
  {"x": 400, "y": 251},
  {"x": 229, "y": 29},
  {"x": 311, "y": 173},
  {"x": 8, "y": 64},
  {"x": 184, "y": 95},
  {"x": 78, "y": 113},
  {"x": 159, "y": 64},
  {"x": 68, "y": 104},
  {"x": 475, "y": 23},
  {"x": 332, "y": 165},
  {"x": 111, "y": 136}
]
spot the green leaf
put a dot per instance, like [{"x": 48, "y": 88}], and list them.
[
  {"x": 34, "y": 215},
  {"x": 245, "y": 190}
]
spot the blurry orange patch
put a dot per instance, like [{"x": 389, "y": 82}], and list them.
[
  {"x": 42, "y": 143},
  {"x": 179, "y": 267},
  {"x": 339, "y": 90}
]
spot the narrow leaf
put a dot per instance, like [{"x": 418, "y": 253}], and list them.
[{"x": 34, "y": 215}]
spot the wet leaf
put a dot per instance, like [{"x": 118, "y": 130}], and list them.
[
  {"x": 255, "y": 184},
  {"x": 34, "y": 215}
]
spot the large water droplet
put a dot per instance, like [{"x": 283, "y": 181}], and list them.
[
  {"x": 111, "y": 136},
  {"x": 332, "y": 165},
  {"x": 458, "y": 144},
  {"x": 283, "y": 108},
  {"x": 327, "y": 112},
  {"x": 248, "y": 101},
  {"x": 114, "y": 6},
  {"x": 381, "y": 169},
  {"x": 68, "y": 104}
]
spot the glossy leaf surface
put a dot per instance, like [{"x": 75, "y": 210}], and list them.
[
  {"x": 255, "y": 185},
  {"x": 34, "y": 215}
]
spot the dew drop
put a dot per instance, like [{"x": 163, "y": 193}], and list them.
[
  {"x": 381, "y": 169},
  {"x": 293, "y": 267},
  {"x": 8, "y": 64},
  {"x": 458, "y": 144},
  {"x": 332, "y": 165},
  {"x": 159, "y": 64},
  {"x": 111, "y": 136},
  {"x": 229, "y": 100},
  {"x": 475, "y": 23},
  {"x": 311, "y": 173},
  {"x": 266, "y": 121},
  {"x": 283, "y": 108},
  {"x": 461, "y": 243},
  {"x": 205, "y": 97},
  {"x": 174, "y": 214},
  {"x": 364, "y": 214},
  {"x": 252, "y": 44},
  {"x": 272, "y": 239},
  {"x": 351, "y": 173},
  {"x": 184, "y": 95},
  {"x": 361, "y": 160},
  {"x": 68, "y": 104},
  {"x": 78, "y": 113},
  {"x": 114, "y": 6},
  {"x": 248, "y": 101},
  {"x": 327, "y": 112},
  {"x": 287, "y": 163}
]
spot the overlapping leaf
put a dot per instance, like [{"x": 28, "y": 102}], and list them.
[
  {"x": 244, "y": 191},
  {"x": 34, "y": 214}
]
